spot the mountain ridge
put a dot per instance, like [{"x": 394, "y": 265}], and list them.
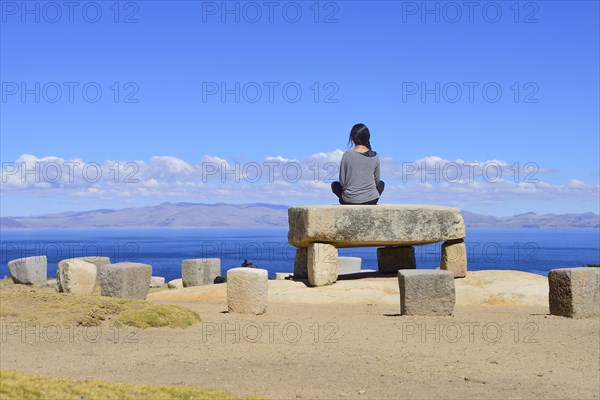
[{"x": 252, "y": 215}]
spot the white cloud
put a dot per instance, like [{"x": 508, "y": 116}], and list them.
[{"x": 278, "y": 179}]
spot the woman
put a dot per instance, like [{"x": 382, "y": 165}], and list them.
[{"x": 359, "y": 171}]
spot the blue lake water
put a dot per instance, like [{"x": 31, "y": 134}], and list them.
[{"x": 533, "y": 250}]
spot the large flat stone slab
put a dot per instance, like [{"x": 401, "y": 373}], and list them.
[{"x": 381, "y": 225}]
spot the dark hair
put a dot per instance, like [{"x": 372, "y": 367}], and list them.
[{"x": 360, "y": 135}]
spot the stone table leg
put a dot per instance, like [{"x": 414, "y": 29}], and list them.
[
  {"x": 300, "y": 263},
  {"x": 392, "y": 259},
  {"x": 454, "y": 257},
  {"x": 322, "y": 263}
]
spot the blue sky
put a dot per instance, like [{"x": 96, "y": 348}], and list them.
[{"x": 502, "y": 87}]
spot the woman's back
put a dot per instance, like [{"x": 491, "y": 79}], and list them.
[{"x": 359, "y": 176}]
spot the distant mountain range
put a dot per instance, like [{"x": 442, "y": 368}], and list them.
[
  {"x": 533, "y": 220},
  {"x": 259, "y": 215}
]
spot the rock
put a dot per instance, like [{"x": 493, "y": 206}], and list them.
[
  {"x": 175, "y": 284},
  {"x": 383, "y": 225},
  {"x": 247, "y": 290},
  {"x": 282, "y": 275},
  {"x": 301, "y": 263},
  {"x": 29, "y": 270},
  {"x": 200, "y": 271},
  {"x": 76, "y": 276},
  {"x": 426, "y": 292},
  {"x": 392, "y": 259},
  {"x": 574, "y": 292},
  {"x": 126, "y": 280},
  {"x": 157, "y": 281},
  {"x": 349, "y": 265},
  {"x": 454, "y": 258},
  {"x": 98, "y": 261},
  {"x": 322, "y": 262}
]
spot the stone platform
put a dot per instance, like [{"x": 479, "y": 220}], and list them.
[
  {"x": 381, "y": 225},
  {"x": 396, "y": 227}
]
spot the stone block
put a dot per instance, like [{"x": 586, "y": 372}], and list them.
[
  {"x": 426, "y": 292},
  {"x": 384, "y": 225},
  {"x": 200, "y": 271},
  {"x": 126, "y": 280},
  {"x": 29, "y": 270},
  {"x": 392, "y": 259},
  {"x": 301, "y": 263},
  {"x": 454, "y": 258},
  {"x": 175, "y": 284},
  {"x": 279, "y": 276},
  {"x": 247, "y": 290},
  {"x": 98, "y": 261},
  {"x": 157, "y": 281},
  {"x": 574, "y": 292},
  {"x": 76, "y": 276},
  {"x": 349, "y": 265},
  {"x": 322, "y": 263}
]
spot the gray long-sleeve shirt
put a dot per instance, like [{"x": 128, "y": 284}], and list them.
[{"x": 359, "y": 175}]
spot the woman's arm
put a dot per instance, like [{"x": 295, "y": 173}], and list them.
[
  {"x": 343, "y": 171},
  {"x": 377, "y": 172}
]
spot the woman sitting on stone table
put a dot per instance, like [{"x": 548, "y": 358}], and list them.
[{"x": 359, "y": 171}]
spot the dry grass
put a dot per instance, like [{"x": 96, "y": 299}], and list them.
[
  {"x": 142, "y": 314},
  {"x": 17, "y": 385},
  {"x": 33, "y": 305}
]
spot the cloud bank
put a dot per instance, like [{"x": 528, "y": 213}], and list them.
[{"x": 278, "y": 179}]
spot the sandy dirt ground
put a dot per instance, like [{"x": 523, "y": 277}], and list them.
[{"x": 331, "y": 351}]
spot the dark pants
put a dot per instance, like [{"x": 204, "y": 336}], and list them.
[{"x": 336, "y": 188}]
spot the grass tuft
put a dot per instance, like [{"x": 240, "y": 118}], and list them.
[
  {"x": 21, "y": 386},
  {"x": 33, "y": 305},
  {"x": 147, "y": 315}
]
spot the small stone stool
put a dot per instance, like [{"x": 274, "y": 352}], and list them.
[
  {"x": 157, "y": 281},
  {"x": 98, "y": 261},
  {"x": 426, "y": 292},
  {"x": 574, "y": 292},
  {"x": 322, "y": 264},
  {"x": 76, "y": 276},
  {"x": 394, "y": 258},
  {"x": 349, "y": 265},
  {"x": 29, "y": 270},
  {"x": 175, "y": 284},
  {"x": 247, "y": 290},
  {"x": 200, "y": 271},
  {"x": 127, "y": 280}
]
